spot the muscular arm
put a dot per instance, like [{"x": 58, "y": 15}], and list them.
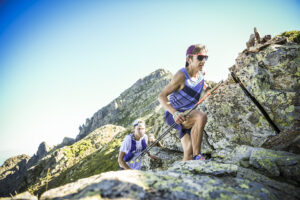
[
  {"x": 121, "y": 161},
  {"x": 177, "y": 83}
]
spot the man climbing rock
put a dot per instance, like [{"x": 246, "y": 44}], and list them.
[
  {"x": 132, "y": 146},
  {"x": 184, "y": 90}
]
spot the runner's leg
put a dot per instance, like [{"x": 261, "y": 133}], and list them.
[
  {"x": 187, "y": 147},
  {"x": 196, "y": 120}
]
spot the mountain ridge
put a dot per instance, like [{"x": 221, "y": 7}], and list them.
[{"x": 115, "y": 112}]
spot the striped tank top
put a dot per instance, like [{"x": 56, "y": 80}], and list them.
[{"x": 186, "y": 98}]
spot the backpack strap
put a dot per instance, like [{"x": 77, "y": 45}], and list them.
[
  {"x": 128, "y": 156},
  {"x": 133, "y": 144},
  {"x": 144, "y": 145}
]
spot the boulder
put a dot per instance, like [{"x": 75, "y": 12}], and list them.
[
  {"x": 11, "y": 164},
  {"x": 166, "y": 158},
  {"x": 12, "y": 174},
  {"x": 279, "y": 165},
  {"x": 42, "y": 151},
  {"x": 67, "y": 141},
  {"x": 22, "y": 196},
  {"x": 185, "y": 180}
]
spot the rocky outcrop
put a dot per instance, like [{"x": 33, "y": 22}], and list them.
[
  {"x": 22, "y": 196},
  {"x": 12, "y": 172},
  {"x": 42, "y": 151},
  {"x": 67, "y": 141},
  {"x": 44, "y": 173},
  {"x": 11, "y": 164},
  {"x": 138, "y": 100},
  {"x": 166, "y": 159},
  {"x": 183, "y": 180},
  {"x": 271, "y": 77},
  {"x": 58, "y": 162},
  {"x": 279, "y": 165}
]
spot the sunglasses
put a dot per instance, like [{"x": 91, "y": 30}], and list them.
[{"x": 202, "y": 57}]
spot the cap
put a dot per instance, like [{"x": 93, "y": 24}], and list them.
[{"x": 137, "y": 122}]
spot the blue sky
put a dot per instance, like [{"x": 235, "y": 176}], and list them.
[{"x": 62, "y": 60}]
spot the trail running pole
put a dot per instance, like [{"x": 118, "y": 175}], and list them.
[
  {"x": 258, "y": 105},
  {"x": 174, "y": 124}
]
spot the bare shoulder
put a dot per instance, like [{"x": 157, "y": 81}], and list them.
[
  {"x": 178, "y": 80},
  {"x": 179, "y": 75},
  {"x": 176, "y": 84}
]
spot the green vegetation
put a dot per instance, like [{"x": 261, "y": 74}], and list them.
[
  {"x": 71, "y": 159},
  {"x": 293, "y": 36},
  {"x": 78, "y": 148},
  {"x": 102, "y": 160}
]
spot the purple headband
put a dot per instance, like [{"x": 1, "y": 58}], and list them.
[{"x": 190, "y": 50}]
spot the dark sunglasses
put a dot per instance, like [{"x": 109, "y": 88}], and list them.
[{"x": 202, "y": 57}]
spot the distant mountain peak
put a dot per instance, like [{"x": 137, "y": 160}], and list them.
[{"x": 136, "y": 101}]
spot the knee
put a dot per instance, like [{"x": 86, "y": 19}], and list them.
[{"x": 201, "y": 117}]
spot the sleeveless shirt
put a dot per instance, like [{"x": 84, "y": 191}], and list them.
[{"x": 186, "y": 98}]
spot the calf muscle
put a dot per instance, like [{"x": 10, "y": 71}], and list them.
[{"x": 196, "y": 121}]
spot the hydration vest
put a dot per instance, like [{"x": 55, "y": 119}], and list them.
[{"x": 130, "y": 154}]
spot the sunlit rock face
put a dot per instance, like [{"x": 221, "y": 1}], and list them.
[
  {"x": 183, "y": 180},
  {"x": 23, "y": 196}
]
